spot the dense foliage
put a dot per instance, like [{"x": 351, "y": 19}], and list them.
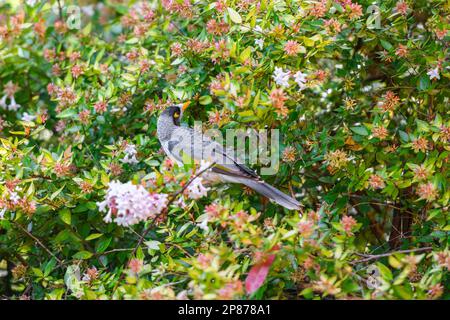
[{"x": 359, "y": 92}]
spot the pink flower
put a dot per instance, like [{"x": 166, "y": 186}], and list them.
[
  {"x": 213, "y": 210},
  {"x": 347, "y": 223},
  {"x": 176, "y": 49},
  {"x": 77, "y": 71},
  {"x": 427, "y": 191},
  {"x": 420, "y": 144},
  {"x": 402, "y": 8},
  {"x": 135, "y": 265},
  {"x": 380, "y": 132},
  {"x": 127, "y": 204},
  {"x": 278, "y": 98},
  {"x": 292, "y": 48},
  {"x": 306, "y": 228},
  {"x": 440, "y": 34},
  {"x": 376, "y": 182},
  {"x": 100, "y": 107},
  {"x": 319, "y": 9},
  {"x": 401, "y": 51},
  {"x": 355, "y": 10}
]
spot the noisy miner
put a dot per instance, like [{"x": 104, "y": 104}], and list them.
[{"x": 183, "y": 144}]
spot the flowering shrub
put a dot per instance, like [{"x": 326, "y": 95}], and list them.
[{"x": 91, "y": 208}]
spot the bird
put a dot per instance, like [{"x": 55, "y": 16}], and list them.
[{"x": 182, "y": 144}]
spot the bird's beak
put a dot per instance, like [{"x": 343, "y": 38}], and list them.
[{"x": 185, "y": 105}]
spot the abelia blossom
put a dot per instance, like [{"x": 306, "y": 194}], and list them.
[
  {"x": 300, "y": 79},
  {"x": 196, "y": 189},
  {"x": 130, "y": 154},
  {"x": 9, "y": 91},
  {"x": 281, "y": 77},
  {"x": 127, "y": 204},
  {"x": 434, "y": 74}
]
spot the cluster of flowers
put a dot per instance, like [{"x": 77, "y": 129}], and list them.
[
  {"x": 9, "y": 91},
  {"x": 282, "y": 78},
  {"x": 130, "y": 154},
  {"x": 130, "y": 204},
  {"x": 14, "y": 202}
]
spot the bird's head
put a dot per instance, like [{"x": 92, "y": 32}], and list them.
[{"x": 175, "y": 112}]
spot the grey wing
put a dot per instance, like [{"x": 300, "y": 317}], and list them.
[{"x": 185, "y": 144}]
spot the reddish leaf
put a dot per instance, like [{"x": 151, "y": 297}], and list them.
[{"x": 258, "y": 274}]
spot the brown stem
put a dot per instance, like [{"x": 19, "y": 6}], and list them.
[{"x": 370, "y": 257}]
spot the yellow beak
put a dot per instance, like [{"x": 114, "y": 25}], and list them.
[{"x": 185, "y": 105}]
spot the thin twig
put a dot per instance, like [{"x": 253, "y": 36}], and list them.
[
  {"x": 371, "y": 257},
  {"x": 39, "y": 242}
]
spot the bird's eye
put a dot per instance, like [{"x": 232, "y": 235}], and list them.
[{"x": 176, "y": 115}]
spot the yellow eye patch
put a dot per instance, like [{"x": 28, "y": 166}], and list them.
[{"x": 176, "y": 115}]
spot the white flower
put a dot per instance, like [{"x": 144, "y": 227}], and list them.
[
  {"x": 14, "y": 197},
  {"x": 13, "y": 106},
  {"x": 31, "y": 3},
  {"x": 2, "y": 213},
  {"x": 258, "y": 29},
  {"x": 260, "y": 43},
  {"x": 89, "y": 10},
  {"x": 281, "y": 78},
  {"x": 434, "y": 73},
  {"x": 203, "y": 225},
  {"x": 196, "y": 190},
  {"x": 180, "y": 203},
  {"x": 300, "y": 79},
  {"x": 128, "y": 204},
  {"x": 130, "y": 154},
  {"x": 28, "y": 117},
  {"x": 3, "y": 101}
]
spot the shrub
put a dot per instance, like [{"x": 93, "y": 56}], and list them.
[{"x": 359, "y": 93}]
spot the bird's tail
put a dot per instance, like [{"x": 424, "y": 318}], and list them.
[{"x": 273, "y": 193}]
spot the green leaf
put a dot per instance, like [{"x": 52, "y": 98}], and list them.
[
  {"x": 102, "y": 245},
  {"x": 245, "y": 54},
  {"x": 93, "y": 236},
  {"x": 68, "y": 113},
  {"x": 82, "y": 255},
  {"x": 386, "y": 45},
  {"x": 234, "y": 16},
  {"x": 360, "y": 130},
  {"x": 424, "y": 83},
  {"x": 65, "y": 216},
  {"x": 204, "y": 100}
]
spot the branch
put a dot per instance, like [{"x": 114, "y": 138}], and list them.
[
  {"x": 370, "y": 257},
  {"x": 37, "y": 241}
]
